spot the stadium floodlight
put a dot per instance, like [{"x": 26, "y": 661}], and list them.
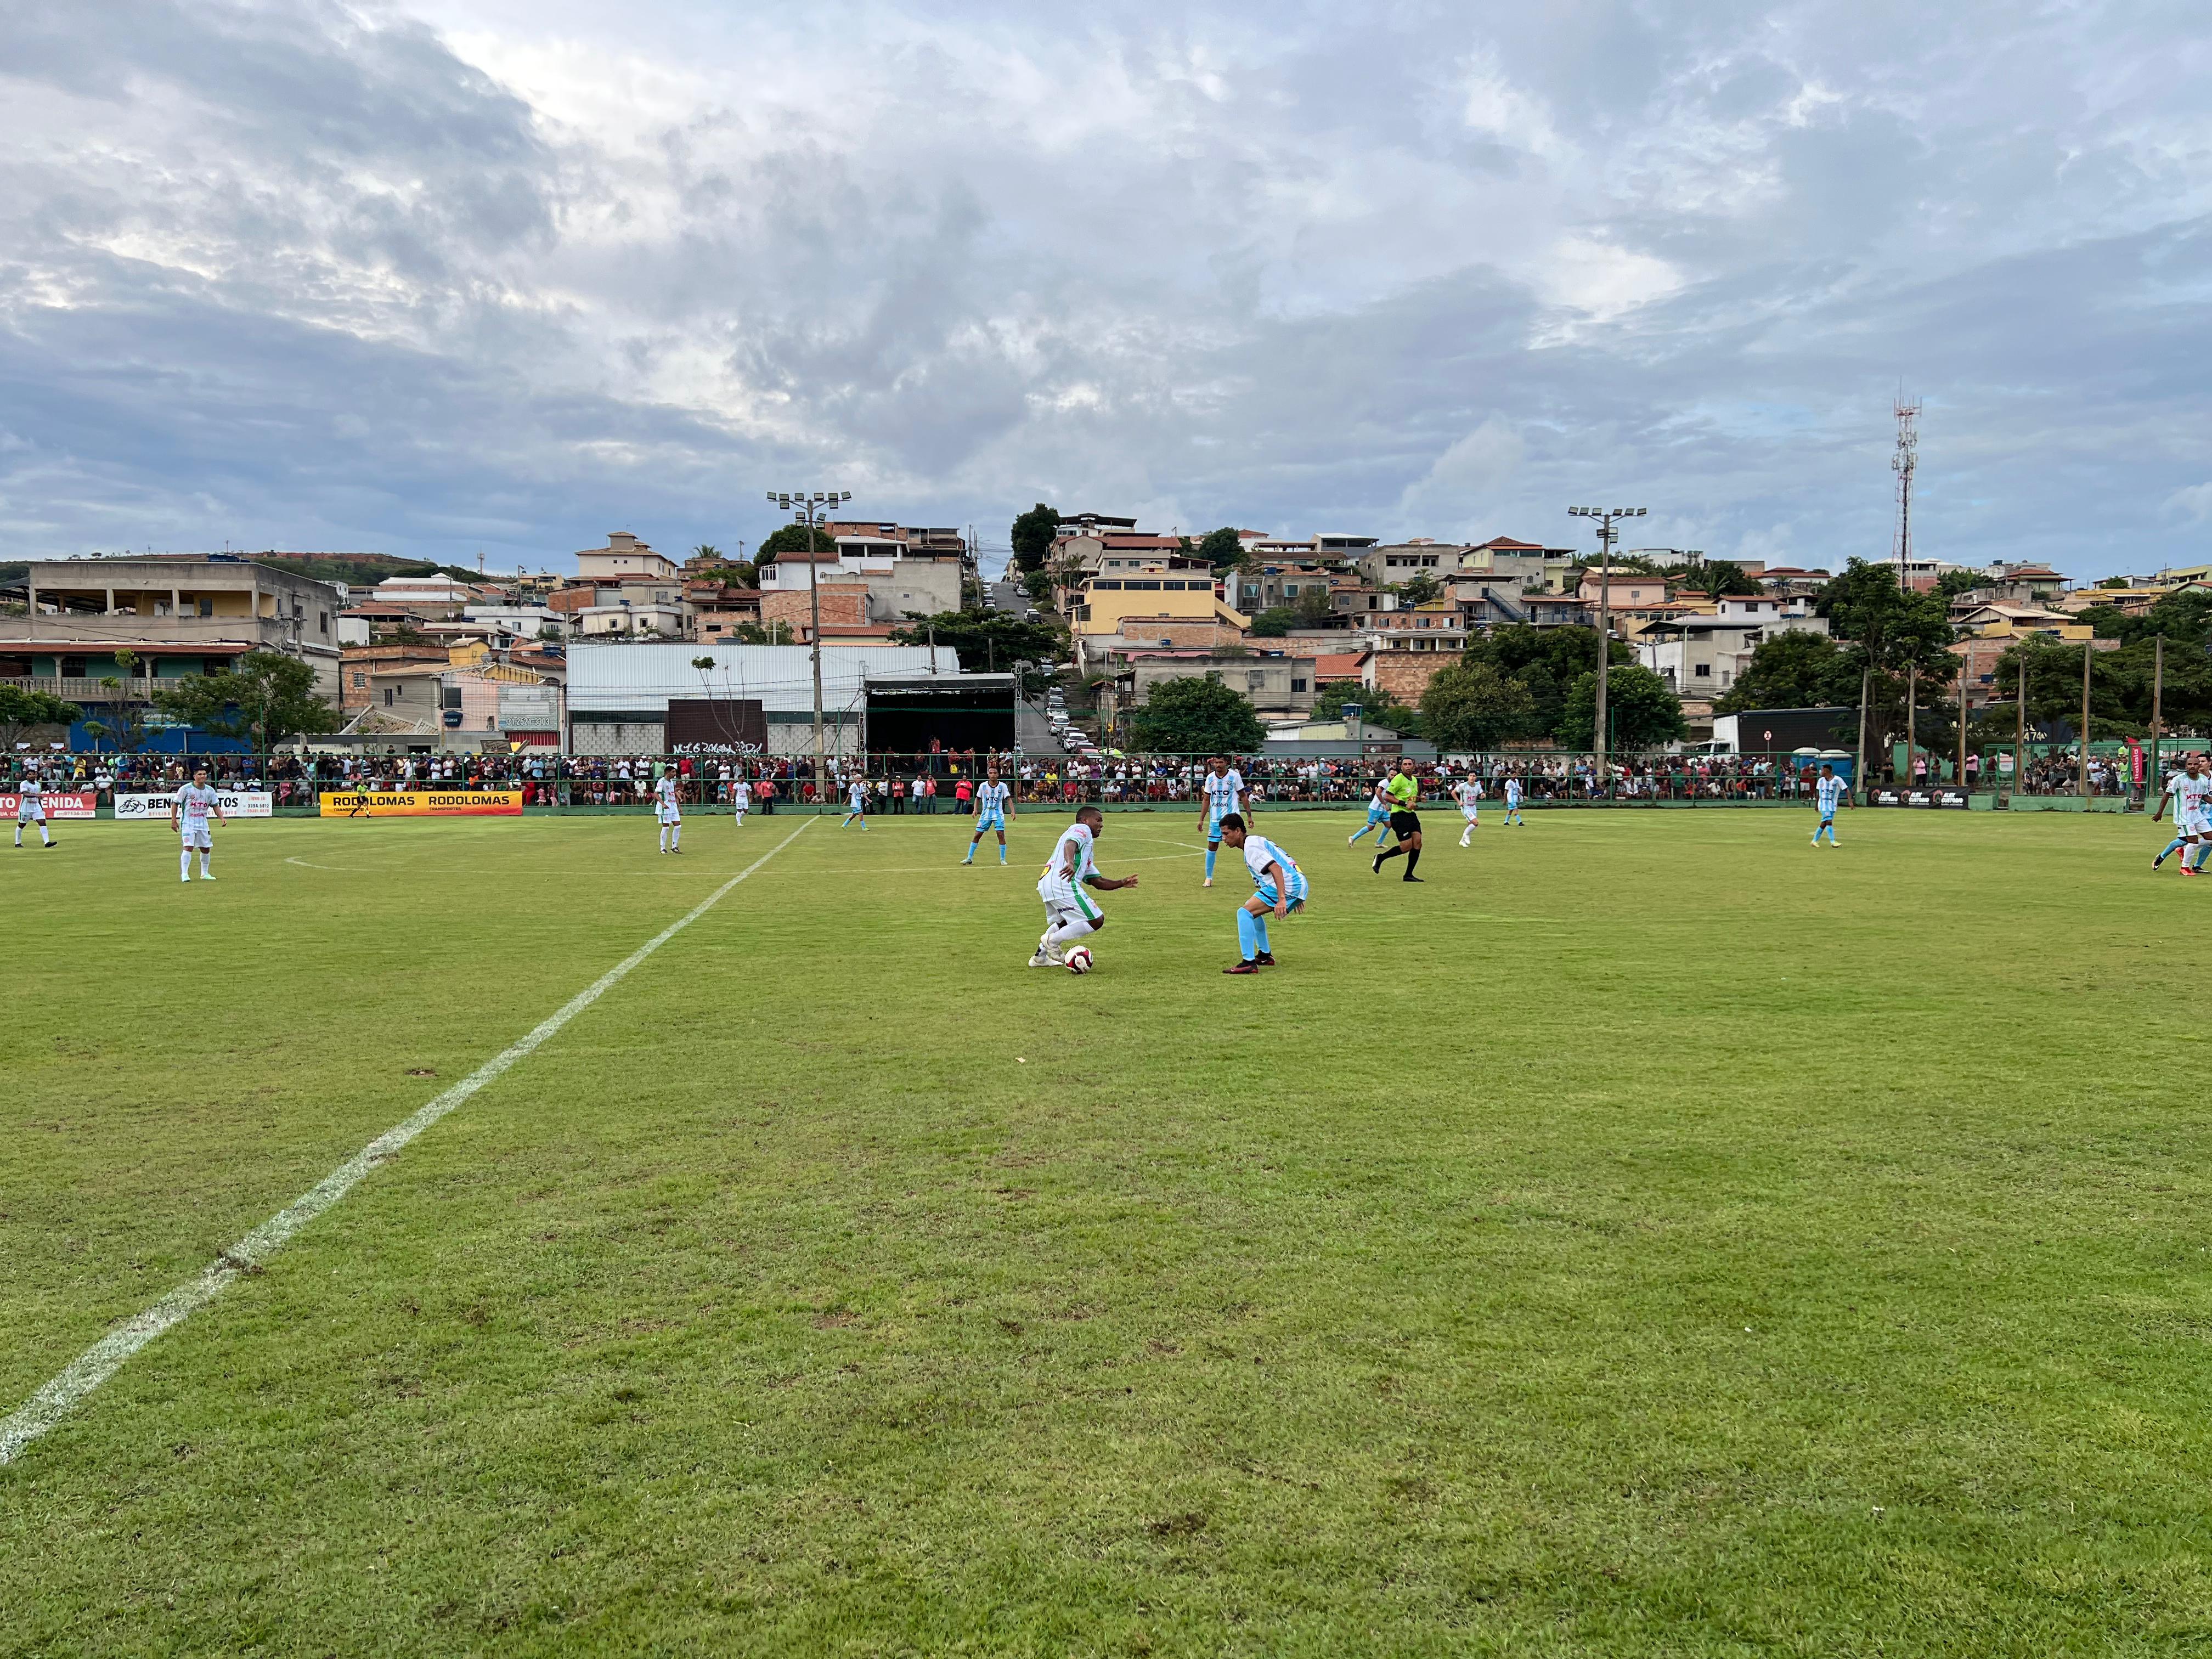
[{"x": 1607, "y": 534}]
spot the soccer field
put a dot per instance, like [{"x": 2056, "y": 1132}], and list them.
[{"x": 1652, "y": 1235}]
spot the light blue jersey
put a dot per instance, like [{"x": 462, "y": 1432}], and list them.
[
  {"x": 991, "y": 805},
  {"x": 1259, "y": 854},
  {"x": 1830, "y": 790},
  {"x": 1221, "y": 795}
]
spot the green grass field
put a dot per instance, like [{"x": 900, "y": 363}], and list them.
[{"x": 1652, "y": 1236}]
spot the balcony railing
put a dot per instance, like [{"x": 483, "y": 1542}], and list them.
[{"x": 79, "y": 688}]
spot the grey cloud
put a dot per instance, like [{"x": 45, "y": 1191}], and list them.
[{"x": 290, "y": 273}]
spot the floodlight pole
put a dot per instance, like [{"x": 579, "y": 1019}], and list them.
[
  {"x": 1605, "y": 534},
  {"x": 810, "y": 510},
  {"x": 1911, "y": 696},
  {"x": 1959, "y": 776},
  {"x": 2019, "y": 742},
  {"x": 2084, "y": 751}
]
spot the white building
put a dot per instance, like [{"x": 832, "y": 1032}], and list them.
[
  {"x": 1700, "y": 657},
  {"x": 504, "y": 625},
  {"x": 901, "y": 583},
  {"x": 618, "y": 693},
  {"x": 624, "y": 559}
]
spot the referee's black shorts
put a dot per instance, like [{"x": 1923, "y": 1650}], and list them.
[{"x": 1403, "y": 825}]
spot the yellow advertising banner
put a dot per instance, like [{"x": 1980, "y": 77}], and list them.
[{"x": 424, "y": 804}]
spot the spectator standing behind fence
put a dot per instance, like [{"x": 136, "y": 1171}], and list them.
[{"x": 960, "y": 795}]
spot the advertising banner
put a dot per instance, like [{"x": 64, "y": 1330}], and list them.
[
  {"x": 241, "y": 803},
  {"x": 1940, "y": 796},
  {"x": 424, "y": 804},
  {"x": 58, "y": 805}
]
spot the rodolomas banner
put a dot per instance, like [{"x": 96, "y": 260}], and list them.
[
  {"x": 58, "y": 805},
  {"x": 245, "y": 804},
  {"x": 425, "y": 804}
]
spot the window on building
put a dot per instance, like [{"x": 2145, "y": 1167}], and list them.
[
  {"x": 359, "y": 679},
  {"x": 207, "y": 607},
  {"x": 1298, "y": 684},
  {"x": 322, "y": 622},
  {"x": 452, "y": 696},
  {"x": 391, "y": 696},
  {"x": 1255, "y": 680},
  {"x": 1703, "y": 669}
]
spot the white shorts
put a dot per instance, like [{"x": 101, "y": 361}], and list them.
[
  {"x": 30, "y": 812},
  {"x": 1470, "y": 813},
  {"x": 2196, "y": 824},
  {"x": 1064, "y": 900},
  {"x": 199, "y": 836},
  {"x": 668, "y": 814},
  {"x": 740, "y": 809}
]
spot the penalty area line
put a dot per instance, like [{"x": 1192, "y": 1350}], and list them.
[{"x": 90, "y": 1369}]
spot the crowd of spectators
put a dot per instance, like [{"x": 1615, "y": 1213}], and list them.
[{"x": 944, "y": 782}]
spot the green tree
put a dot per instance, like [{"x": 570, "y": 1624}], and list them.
[
  {"x": 1315, "y": 606},
  {"x": 1470, "y": 705},
  {"x": 793, "y": 539},
  {"x": 1221, "y": 549},
  {"x": 1419, "y": 590},
  {"x": 1547, "y": 660},
  {"x": 1643, "y": 713},
  {"x": 266, "y": 698},
  {"x": 1274, "y": 622},
  {"x": 986, "y": 640},
  {"x": 732, "y": 573},
  {"x": 20, "y": 710},
  {"x": 1895, "y": 626},
  {"x": 1794, "y": 670},
  {"x": 1952, "y": 583},
  {"x": 1196, "y": 716},
  {"x": 1032, "y": 536},
  {"x": 775, "y": 633}
]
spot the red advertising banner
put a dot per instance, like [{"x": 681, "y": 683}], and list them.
[{"x": 58, "y": 805}]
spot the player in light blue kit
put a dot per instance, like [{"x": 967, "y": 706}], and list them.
[
  {"x": 994, "y": 804},
  {"x": 1278, "y": 885},
  {"x": 1513, "y": 803},
  {"x": 1831, "y": 792},
  {"x": 1378, "y": 817},
  {"x": 1220, "y": 792},
  {"x": 856, "y": 797}
]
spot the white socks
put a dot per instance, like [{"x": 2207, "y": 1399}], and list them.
[{"x": 1068, "y": 931}]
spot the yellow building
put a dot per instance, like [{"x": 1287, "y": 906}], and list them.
[{"x": 1104, "y": 602}]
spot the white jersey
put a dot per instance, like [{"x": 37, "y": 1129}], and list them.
[
  {"x": 1259, "y": 852},
  {"x": 1470, "y": 795},
  {"x": 1512, "y": 791},
  {"x": 670, "y": 809},
  {"x": 991, "y": 799},
  {"x": 1830, "y": 790},
  {"x": 1077, "y": 836},
  {"x": 194, "y": 803},
  {"x": 30, "y": 800},
  {"x": 741, "y": 795},
  {"x": 1221, "y": 792},
  {"x": 1378, "y": 802},
  {"x": 857, "y": 795},
  {"x": 2193, "y": 799}
]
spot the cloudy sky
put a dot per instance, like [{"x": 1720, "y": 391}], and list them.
[{"x": 451, "y": 276}]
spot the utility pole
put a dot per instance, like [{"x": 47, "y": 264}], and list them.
[
  {"x": 2087, "y": 644},
  {"x": 2157, "y": 710},
  {"x": 1905, "y": 463},
  {"x": 1606, "y": 534},
  {"x": 1959, "y": 776},
  {"x": 2019, "y": 743},
  {"x": 1911, "y": 697},
  {"x": 1859, "y": 767},
  {"x": 811, "y": 509}
]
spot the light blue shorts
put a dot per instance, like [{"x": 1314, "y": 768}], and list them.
[
  {"x": 989, "y": 821},
  {"x": 1268, "y": 894}
]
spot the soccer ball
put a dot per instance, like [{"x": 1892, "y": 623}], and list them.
[{"x": 1079, "y": 959}]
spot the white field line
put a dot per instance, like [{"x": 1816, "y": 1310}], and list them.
[{"x": 54, "y": 1401}]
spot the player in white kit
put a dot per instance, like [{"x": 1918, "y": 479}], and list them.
[
  {"x": 2190, "y": 792},
  {"x": 741, "y": 799},
  {"x": 1469, "y": 796},
  {"x": 188, "y": 815},
  {"x": 1069, "y": 915},
  {"x": 1220, "y": 791},
  {"x": 1831, "y": 792},
  {"x": 994, "y": 804},
  {"x": 1513, "y": 803},
  {"x": 30, "y": 806},
  {"x": 856, "y": 797},
  {"x": 668, "y": 810}
]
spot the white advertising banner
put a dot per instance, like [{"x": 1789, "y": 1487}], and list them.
[
  {"x": 253, "y": 804},
  {"x": 58, "y": 805}
]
